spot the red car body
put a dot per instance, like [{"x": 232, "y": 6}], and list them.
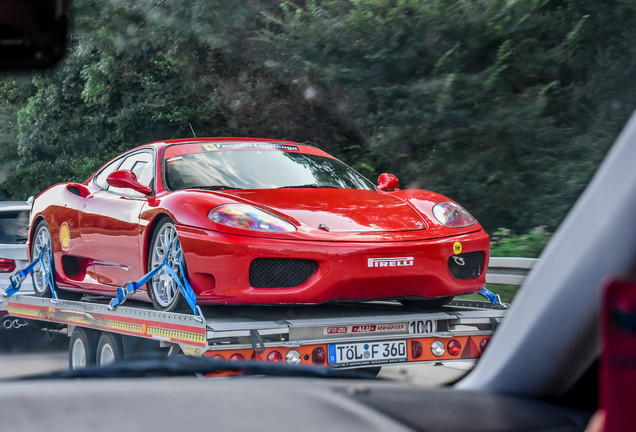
[{"x": 340, "y": 243}]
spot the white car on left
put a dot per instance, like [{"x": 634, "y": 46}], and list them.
[{"x": 14, "y": 228}]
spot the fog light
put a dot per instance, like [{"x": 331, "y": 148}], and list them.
[
  {"x": 454, "y": 347},
  {"x": 437, "y": 348},
  {"x": 292, "y": 357}
]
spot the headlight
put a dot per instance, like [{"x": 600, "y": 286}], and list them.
[
  {"x": 244, "y": 216},
  {"x": 453, "y": 215}
]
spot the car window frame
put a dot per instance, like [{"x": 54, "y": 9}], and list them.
[
  {"x": 167, "y": 187},
  {"x": 117, "y": 163}
]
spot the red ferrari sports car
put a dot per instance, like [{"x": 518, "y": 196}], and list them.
[{"x": 256, "y": 222}]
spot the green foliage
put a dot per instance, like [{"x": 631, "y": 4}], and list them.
[
  {"x": 506, "y": 107},
  {"x": 504, "y": 243},
  {"x": 473, "y": 99}
]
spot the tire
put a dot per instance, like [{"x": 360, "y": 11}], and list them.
[
  {"x": 41, "y": 238},
  {"x": 371, "y": 371},
  {"x": 82, "y": 348},
  {"x": 427, "y": 304},
  {"x": 163, "y": 290},
  {"x": 41, "y": 287},
  {"x": 110, "y": 349}
]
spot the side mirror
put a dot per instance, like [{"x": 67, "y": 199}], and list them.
[
  {"x": 388, "y": 182},
  {"x": 128, "y": 180}
]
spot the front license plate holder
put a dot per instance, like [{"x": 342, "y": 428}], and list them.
[{"x": 367, "y": 353}]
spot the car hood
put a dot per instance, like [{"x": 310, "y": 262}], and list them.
[{"x": 337, "y": 210}]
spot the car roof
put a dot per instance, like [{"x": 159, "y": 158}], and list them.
[{"x": 14, "y": 205}]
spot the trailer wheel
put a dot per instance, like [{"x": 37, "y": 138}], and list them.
[
  {"x": 427, "y": 304},
  {"x": 372, "y": 372},
  {"x": 163, "y": 290},
  {"x": 82, "y": 348},
  {"x": 110, "y": 349}
]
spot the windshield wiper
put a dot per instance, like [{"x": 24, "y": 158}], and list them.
[
  {"x": 308, "y": 186},
  {"x": 215, "y": 187},
  {"x": 191, "y": 366}
]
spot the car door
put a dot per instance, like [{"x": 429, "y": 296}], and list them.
[{"x": 109, "y": 222}]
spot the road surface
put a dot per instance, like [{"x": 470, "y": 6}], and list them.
[{"x": 26, "y": 355}]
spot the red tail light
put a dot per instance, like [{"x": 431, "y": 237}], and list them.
[
  {"x": 416, "y": 349},
  {"x": 454, "y": 347},
  {"x": 237, "y": 357},
  {"x": 217, "y": 357},
  {"x": 7, "y": 265},
  {"x": 318, "y": 355},
  {"x": 483, "y": 344},
  {"x": 274, "y": 356}
]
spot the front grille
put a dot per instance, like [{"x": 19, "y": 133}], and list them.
[
  {"x": 467, "y": 265},
  {"x": 280, "y": 272}
]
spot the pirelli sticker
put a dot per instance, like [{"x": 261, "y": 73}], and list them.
[{"x": 366, "y": 329}]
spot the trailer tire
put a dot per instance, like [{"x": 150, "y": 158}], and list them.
[
  {"x": 163, "y": 291},
  {"x": 110, "y": 349},
  {"x": 82, "y": 348},
  {"x": 371, "y": 371}
]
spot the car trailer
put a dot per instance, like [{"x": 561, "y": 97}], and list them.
[{"x": 341, "y": 335}]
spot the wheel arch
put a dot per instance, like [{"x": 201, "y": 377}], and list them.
[
  {"x": 150, "y": 233},
  {"x": 34, "y": 224}
]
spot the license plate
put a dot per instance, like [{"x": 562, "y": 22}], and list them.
[{"x": 363, "y": 353}]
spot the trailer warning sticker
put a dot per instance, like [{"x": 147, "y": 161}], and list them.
[{"x": 366, "y": 329}]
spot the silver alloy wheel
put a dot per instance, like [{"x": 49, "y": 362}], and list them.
[
  {"x": 106, "y": 355},
  {"x": 41, "y": 239},
  {"x": 78, "y": 354},
  {"x": 164, "y": 289}
]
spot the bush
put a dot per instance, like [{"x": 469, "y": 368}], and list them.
[{"x": 504, "y": 243}]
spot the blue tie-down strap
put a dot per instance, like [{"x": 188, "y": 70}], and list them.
[
  {"x": 492, "y": 297},
  {"x": 123, "y": 293},
  {"x": 19, "y": 277}
]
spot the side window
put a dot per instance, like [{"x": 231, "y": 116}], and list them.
[
  {"x": 140, "y": 164},
  {"x": 14, "y": 226},
  {"x": 100, "y": 179}
]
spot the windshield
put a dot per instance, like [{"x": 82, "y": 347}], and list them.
[
  {"x": 248, "y": 169},
  {"x": 491, "y": 111}
]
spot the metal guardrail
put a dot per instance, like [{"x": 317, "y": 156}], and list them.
[
  {"x": 501, "y": 271},
  {"x": 508, "y": 270}
]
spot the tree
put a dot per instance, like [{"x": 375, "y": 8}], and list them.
[{"x": 506, "y": 107}]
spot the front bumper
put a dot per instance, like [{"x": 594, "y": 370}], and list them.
[{"x": 219, "y": 268}]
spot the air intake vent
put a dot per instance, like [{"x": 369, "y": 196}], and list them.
[
  {"x": 467, "y": 265},
  {"x": 280, "y": 272}
]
